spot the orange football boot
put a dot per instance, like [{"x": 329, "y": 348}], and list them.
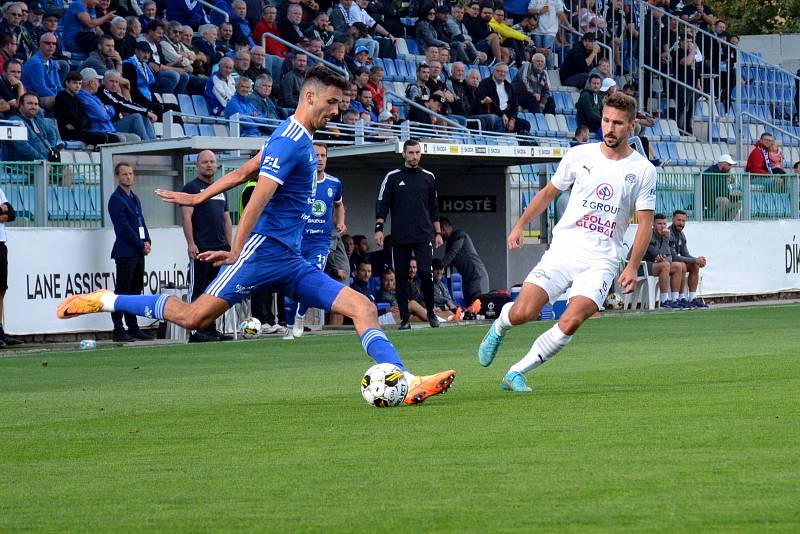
[
  {"x": 81, "y": 304},
  {"x": 427, "y": 386}
]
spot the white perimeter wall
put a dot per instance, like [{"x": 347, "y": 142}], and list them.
[{"x": 45, "y": 265}]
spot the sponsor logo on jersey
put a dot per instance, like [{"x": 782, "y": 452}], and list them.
[
  {"x": 539, "y": 273},
  {"x": 599, "y": 206},
  {"x": 594, "y": 223},
  {"x": 604, "y": 191},
  {"x": 630, "y": 178},
  {"x": 271, "y": 163},
  {"x": 318, "y": 208},
  {"x": 244, "y": 290}
]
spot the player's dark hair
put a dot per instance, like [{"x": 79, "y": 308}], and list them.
[
  {"x": 320, "y": 74},
  {"x": 410, "y": 142},
  {"x": 622, "y": 102},
  {"x": 679, "y": 212},
  {"x": 119, "y": 165},
  {"x": 321, "y": 145},
  {"x": 29, "y": 94},
  {"x": 659, "y": 216}
]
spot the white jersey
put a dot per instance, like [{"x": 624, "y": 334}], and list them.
[{"x": 605, "y": 195}]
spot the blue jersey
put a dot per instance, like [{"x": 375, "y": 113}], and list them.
[
  {"x": 320, "y": 222},
  {"x": 289, "y": 159}
]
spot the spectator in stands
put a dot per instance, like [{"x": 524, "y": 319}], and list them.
[
  {"x": 602, "y": 69},
  {"x": 206, "y": 43},
  {"x": 149, "y": 14},
  {"x": 8, "y": 48},
  {"x": 34, "y": 22},
  {"x": 241, "y": 63},
  {"x": 175, "y": 52},
  {"x": 186, "y": 12},
  {"x": 321, "y": 29},
  {"x": 775, "y": 158},
  {"x": 360, "y": 251},
  {"x": 81, "y": 27},
  {"x": 721, "y": 198},
  {"x": 11, "y": 86},
  {"x": 289, "y": 28},
  {"x": 495, "y": 95},
  {"x": 128, "y": 116},
  {"x": 699, "y": 14},
  {"x": 607, "y": 88},
  {"x": 100, "y": 115},
  {"x": 72, "y": 118},
  {"x": 362, "y": 60},
  {"x": 241, "y": 28},
  {"x": 460, "y": 253},
  {"x": 513, "y": 40},
  {"x": 249, "y": 117},
  {"x": 336, "y": 55},
  {"x": 42, "y": 138},
  {"x": 588, "y": 18},
  {"x": 358, "y": 13},
  {"x": 132, "y": 244},
  {"x": 659, "y": 263},
  {"x": 137, "y": 71},
  {"x": 364, "y": 104},
  {"x": 449, "y": 32},
  {"x": 590, "y": 105},
  {"x": 532, "y": 86},
  {"x": 132, "y": 33},
  {"x": 104, "y": 57},
  {"x": 464, "y": 98},
  {"x": 425, "y": 32},
  {"x": 485, "y": 38},
  {"x": 684, "y": 58},
  {"x": 758, "y": 162},
  {"x": 456, "y": 20},
  {"x": 349, "y": 246},
  {"x": 375, "y": 85},
  {"x": 7, "y": 214},
  {"x": 201, "y": 62},
  {"x": 257, "y": 55},
  {"x": 220, "y": 87},
  {"x": 40, "y": 73},
  {"x": 14, "y": 15},
  {"x": 291, "y": 82},
  {"x": 169, "y": 78},
  {"x": 263, "y": 102},
  {"x": 579, "y": 61},
  {"x": 581, "y": 135},
  {"x": 224, "y": 42},
  {"x": 681, "y": 254},
  {"x": 360, "y": 283},
  {"x": 419, "y": 91},
  {"x": 550, "y": 13},
  {"x": 443, "y": 303},
  {"x": 267, "y": 25},
  {"x": 437, "y": 104}
]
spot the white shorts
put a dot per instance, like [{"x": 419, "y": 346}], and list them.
[{"x": 555, "y": 273}]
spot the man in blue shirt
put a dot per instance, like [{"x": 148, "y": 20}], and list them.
[
  {"x": 267, "y": 247},
  {"x": 327, "y": 213},
  {"x": 40, "y": 72},
  {"x": 249, "y": 117},
  {"x": 100, "y": 114},
  {"x": 132, "y": 244},
  {"x": 206, "y": 226}
]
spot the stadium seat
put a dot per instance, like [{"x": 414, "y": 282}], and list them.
[
  {"x": 207, "y": 130},
  {"x": 200, "y": 106},
  {"x": 26, "y": 201},
  {"x": 58, "y": 203},
  {"x": 413, "y": 49},
  {"x": 457, "y": 289},
  {"x": 187, "y": 109},
  {"x": 191, "y": 129},
  {"x": 221, "y": 130}
]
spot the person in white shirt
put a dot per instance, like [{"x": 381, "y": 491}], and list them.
[
  {"x": 610, "y": 182},
  {"x": 358, "y": 13},
  {"x": 550, "y": 13},
  {"x": 7, "y": 214}
]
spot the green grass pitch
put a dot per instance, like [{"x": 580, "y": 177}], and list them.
[{"x": 688, "y": 421}]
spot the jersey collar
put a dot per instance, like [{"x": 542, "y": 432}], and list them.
[{"x": 301, "y": 127}]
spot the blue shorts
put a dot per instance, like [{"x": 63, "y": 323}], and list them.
[
  {"x": 266, "y": 262},
  {"x": 316, "y": 254}
]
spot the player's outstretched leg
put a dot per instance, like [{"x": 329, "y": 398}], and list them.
[
  {"x": 549, "y": 343},
  {"x": 365, "y": 318}
]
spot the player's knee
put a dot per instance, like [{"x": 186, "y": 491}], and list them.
[
  {"x": 521, "y": 313},
  {"x": 364, "y": 309},
  {"x": 569, "y": 324}
]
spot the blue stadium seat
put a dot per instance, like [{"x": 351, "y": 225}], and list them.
[
  {"x": 572, "y": 122},
  {"x": 200, "y": 106},
  {"x": 26, "y": 201},
  {"x": 58, "y": 203},
  {"x": 411, "y": 44},
  {"x": 207, "y": 130},
  {"x": 191, "y": 129},
  {"x": 457, "y": 289},
  {"x": 485, "y": 72},
  {"x": 185, "y": 103}
]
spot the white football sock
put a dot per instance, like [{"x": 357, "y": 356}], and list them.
[
  {"x": 692, "y": 295},
  {"x": 503, "y": 323},
  {"x": 664, "y": 297},
  {"x": 108, "y": 300},
  {"x": 675, "y": 295},
  {"x": 409, "y": 377},
  {"x": 545, "y": 347}
]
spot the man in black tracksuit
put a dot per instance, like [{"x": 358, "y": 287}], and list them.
[{"x": 409, "y": 193}]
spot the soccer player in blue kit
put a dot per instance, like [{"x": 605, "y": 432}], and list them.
[
  {"x": 267, "y": 247},
  {"x": 327, "y": 212}
]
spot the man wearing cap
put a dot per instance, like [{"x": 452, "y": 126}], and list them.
[
  {"x": 40, "y": 72},
  {"x": 579, "y": 61},
  {"x": 102, "y": 116},
  {"x": 436, "y": 103},
  {"x": 72, "y": 118},
  {"x": 589, "y": 107},
  {"x": 721, "y": 199},
  {"x": 607, "y": 88}
]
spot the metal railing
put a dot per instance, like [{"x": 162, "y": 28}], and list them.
[
  {"x": 215, "y": 8},
  {"x": 296, "y": 48}
]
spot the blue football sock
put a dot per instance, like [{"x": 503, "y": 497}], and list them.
[
  {"x": 380, "y": 348},
  {"x": 301, "y": 310},
  {"x": 151, "y": 306}
]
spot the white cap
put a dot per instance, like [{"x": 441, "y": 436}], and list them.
[
  {"x": 726, "y": 158},
  {"x": 608, "y": 83}
]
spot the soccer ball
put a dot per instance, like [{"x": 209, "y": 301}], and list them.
[
  {"x": 384, "y": 385},
  {"x": 614, "y": 302},
  {"x": 250, "y": 328}
]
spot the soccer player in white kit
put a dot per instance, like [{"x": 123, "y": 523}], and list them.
[{"x": 610, "y": 181}]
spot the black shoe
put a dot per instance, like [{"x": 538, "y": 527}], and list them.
[
  {"x": 405, "y": 325},
  {"x": 121, "y": 336},
  {"x": 138, "y": 335},
  {"x": 433, "y": 320},
  {"x": 202, "y": 337},
  {"x": 224, "y": 337},
  {"x": 10, "y": 341},
  {"x": 2, "y": 343}
]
